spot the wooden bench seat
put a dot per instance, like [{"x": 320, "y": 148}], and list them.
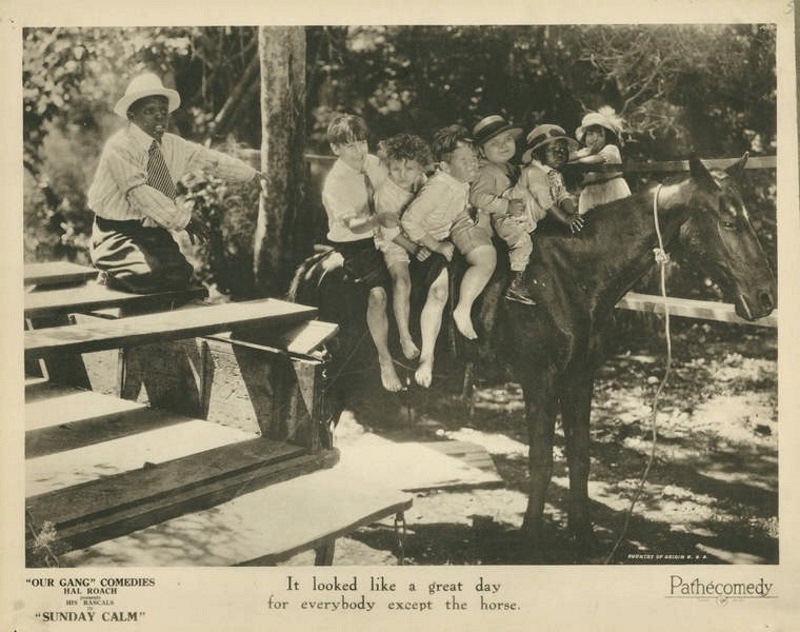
[
  {"x": 92, "y": 297},
  {"x": 101, "y": 334},
  {"x": 261, "y": 528},
  {"x": 57, "y": 273}
]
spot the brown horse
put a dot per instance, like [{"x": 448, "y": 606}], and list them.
[
  {"x": 577, "y": 281},
  {"x": 555, "y": 347}
]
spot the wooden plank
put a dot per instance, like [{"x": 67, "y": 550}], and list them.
[
  {"x": 118, "y": 504},
  {"x": 88, "y": 422},
  {"x": 124, "y": 454},
  {"x": 101, "y": 334},
  {"x": 270, "y": 525},
  {"x": 470, "y": 453},
  {"x": 411, "y": 466},
  {"x": 301, "y": 340},
  {"x": 57, "y": 273},
  {"x": 93, "y": 296},
  {"x": 691, "y": 308},
  {"x": 63, "y": 406},
  {"x": 676, "y": 166}
]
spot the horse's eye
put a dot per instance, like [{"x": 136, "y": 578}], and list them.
[{"x": 729, "y": 224}]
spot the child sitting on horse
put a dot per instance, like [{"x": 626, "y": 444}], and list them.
[
  {"x": 406, "y": 158},
  {"x": 439, "y": 218},
  {"x": 541, "y": 185},
  {"x": 495, "y": 140},
  {"x": 348, "y": 196},
  {"x": 599, "y": 131}
]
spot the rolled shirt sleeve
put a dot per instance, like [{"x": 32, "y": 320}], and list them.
[{"x": 120, "y": 189}]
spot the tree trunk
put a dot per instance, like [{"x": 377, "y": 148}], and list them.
[{"x": 282, "y": 53}]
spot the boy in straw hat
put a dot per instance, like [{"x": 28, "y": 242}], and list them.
[
  {"x": 133, "y": 192},
  {"x": 496, "y": 141},
  {"x": 599, "y": 131}
]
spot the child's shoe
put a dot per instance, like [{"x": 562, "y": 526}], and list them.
[{"x": 517, "y": 291}]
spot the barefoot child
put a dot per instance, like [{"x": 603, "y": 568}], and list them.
[
  {"x": 438, "y": 218},
  {"x": 348, "y": 198},
  {"x": 495, "y": 140},
  {"x": 405, "y": 156},
  {"x": 600, "y": 133}
]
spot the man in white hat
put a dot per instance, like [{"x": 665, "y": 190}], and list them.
[{"x": 133, "y": 193}]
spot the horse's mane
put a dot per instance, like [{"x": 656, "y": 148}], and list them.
[{"x": 303, "y": 271}]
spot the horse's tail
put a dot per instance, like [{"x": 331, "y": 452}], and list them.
[{"x": 304, "y": 274}]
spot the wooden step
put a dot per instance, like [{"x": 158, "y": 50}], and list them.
[
  {"x": 57, "y": 273},
  {"x": 56, "y": 405},
  {"x": 100, "y": 334},
  {"x": 95, "y": 461},
  {"x": 113, "y": 505},
  {"x": 261, "y": 528},
  {"x": 92, "y": 296}
]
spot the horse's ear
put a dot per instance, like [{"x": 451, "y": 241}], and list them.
[
  {"x": 736, "y": 170},
  {"x": 701, "y": 174}
]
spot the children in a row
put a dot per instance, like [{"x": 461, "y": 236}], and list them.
[{"x": 456, "y": 208}]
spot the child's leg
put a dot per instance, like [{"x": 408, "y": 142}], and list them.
[
  {"x": 378, "y": 324},
  {"x": 401, "y": 298},
  {"x": 430, "y": 323},
  {"x": 482, "y": 261},
  {"x": 515, "y": 234}
]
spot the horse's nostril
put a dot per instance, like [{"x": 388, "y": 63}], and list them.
[{"x": 766, "y": 300}]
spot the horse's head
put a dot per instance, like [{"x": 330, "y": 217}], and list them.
[{"x": 719, "y": 234}]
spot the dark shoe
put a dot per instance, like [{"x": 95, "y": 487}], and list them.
[{"x": 517, "y": 292}]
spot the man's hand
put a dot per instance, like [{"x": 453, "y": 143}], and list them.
[{"x": 197, "y": 230}]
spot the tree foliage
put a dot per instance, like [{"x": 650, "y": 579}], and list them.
[
  {"x": 680, "y": 88},
  {"x": 709, "y": 88}
]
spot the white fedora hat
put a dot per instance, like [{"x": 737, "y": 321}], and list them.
[{"x": 146, "y": 85}]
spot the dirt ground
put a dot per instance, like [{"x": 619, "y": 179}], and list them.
[{"x": 711, "y": 496}]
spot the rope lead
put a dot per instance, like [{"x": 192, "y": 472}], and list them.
[{"x": 662, "y": 258}]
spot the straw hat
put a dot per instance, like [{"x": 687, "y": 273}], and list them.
[
  {"x": 605, "y": 118},
  {"x": 489, "y": 127},
  {"x": 541, "y": 135},
  {"x": 146, "y": 85}
]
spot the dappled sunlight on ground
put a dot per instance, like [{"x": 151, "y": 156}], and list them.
[{"x": 710, "y": 497}]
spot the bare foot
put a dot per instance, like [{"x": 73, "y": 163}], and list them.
[
  {"x": 464, "y": 323},
  {"x": 424, "y": 374},
  {"x": 389, "y": 379},
  {"x": 410, "y": 350}
]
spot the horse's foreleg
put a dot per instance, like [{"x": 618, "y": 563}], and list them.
[
  {"x": 576, "y": 405},
  {"x": 540, "y": 414}
]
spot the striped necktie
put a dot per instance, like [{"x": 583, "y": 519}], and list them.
[
  {"x": 158, "y": 175},
  {"x": 370, "y": 193}
]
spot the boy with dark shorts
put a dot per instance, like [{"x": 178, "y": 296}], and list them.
[{"x": 348, "y": 196}]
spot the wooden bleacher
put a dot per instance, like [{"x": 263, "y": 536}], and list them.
[
  {"x": 101, "y": 469},
  {"x": 57, "y": 273}
]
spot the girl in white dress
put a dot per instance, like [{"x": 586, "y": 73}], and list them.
[{"x": 599, "y": 132}]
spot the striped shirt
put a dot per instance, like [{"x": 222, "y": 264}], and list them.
[{"x": 120, "y": 190}]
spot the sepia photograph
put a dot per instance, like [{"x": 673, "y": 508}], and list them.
[{"x": 369, "y": 306}]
